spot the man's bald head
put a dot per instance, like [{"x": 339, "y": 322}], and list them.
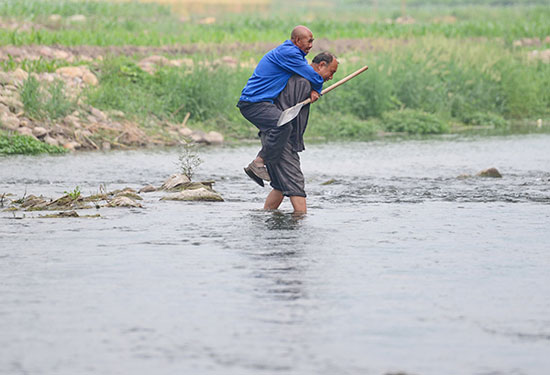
[
  {"x": 302, "y": 37},
  {"x": 299, "y": 32}
]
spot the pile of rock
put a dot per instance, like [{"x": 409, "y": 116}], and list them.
[
  {"x": 87, "y": 127},
  {"x": 178, "y": 188},
  {"x": 543, "y": 55},
  {"x": 150, "y": 64},
  {"x": 183, "y": 189},
  {"x": 126, "y": 197},
  {"x": 530, "y": 42}
]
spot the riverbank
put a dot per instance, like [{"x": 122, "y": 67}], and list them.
[{"x": 118, "y": 92}]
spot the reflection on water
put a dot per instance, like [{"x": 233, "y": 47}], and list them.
[
  {"x": 398, "y": 267},
  {"x": 278, "y": 220}
]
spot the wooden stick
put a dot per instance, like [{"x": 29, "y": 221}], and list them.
[
  {"x": 185, "y": 119},
  {"x": 340, "y": 82}
]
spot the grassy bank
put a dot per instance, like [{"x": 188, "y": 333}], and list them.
[
  {"x": 108, "y": 23},
  {"x": 427, "y": 86},
  {"x": 453, "y": 67}
]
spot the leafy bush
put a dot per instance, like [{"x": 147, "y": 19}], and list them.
[
  {"x": 484, "y": 119},
  {"x": 334, "y": 126},
  {"x": 413, "y": 121},
  {"x": 22, "y": 144}
]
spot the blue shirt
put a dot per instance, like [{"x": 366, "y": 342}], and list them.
[{"x": 273, "y": 71}]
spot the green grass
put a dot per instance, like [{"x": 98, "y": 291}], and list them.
[
  {"x": 40, "y": 65},
  {"x": 208, "y": 95},
  {"x": 49, "y": 101},
  {"x": 22, "y": 144},
  {"x": 434, "y": 81},
  {"x": 422, "y": 78},
  {"x": 112, "y": 23}
]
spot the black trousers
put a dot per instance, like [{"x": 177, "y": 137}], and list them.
[{"x": 281, "y": 144}]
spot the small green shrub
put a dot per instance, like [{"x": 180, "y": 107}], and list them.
[
  {"x": 74, "y": 194},
  {"x": 484, "y": 119},
  {"x": 413, "y": 121},
  {"x": 189, "y": 159},
  {"x": 333, "y": 126},
  {"x": 21, "y": 144}
]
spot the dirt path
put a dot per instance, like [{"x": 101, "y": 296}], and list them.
[{"x": 71, "y": 53}]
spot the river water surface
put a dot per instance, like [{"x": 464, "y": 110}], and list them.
[{"x": 399, "y": 266}]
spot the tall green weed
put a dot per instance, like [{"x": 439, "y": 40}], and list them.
[{"x": 45, "y": 101}]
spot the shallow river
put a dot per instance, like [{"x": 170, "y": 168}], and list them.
[{"x": 398, "y": 266}]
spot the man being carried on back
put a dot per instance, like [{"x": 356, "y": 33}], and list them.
[
  {"x": 268, "y": 80},
  {"x": 282, "y": 79}
]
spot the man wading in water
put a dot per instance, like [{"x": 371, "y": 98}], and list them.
[{"x": 282, "y": 79}]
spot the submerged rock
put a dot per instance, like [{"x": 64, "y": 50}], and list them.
[
  {"x": 329, "y": 182},
  {"x": 147, "y": 189},
  {"x": 200, "y": 194},
  {"x": 61, "y": 214},
  {"x": 122, "y": 201},
  {"x": 491, "y": 172}
]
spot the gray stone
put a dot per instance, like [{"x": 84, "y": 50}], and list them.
[
  {"x": 98, "y": 114},
  {"x": 89, "y": 78},
  {"x": 55, "y": 18},
  {"x": 214, "y": 138},
  {"x": 147, "y": 189},
  {"x": 117, "y": 113},
  {"x": 71, "y": 120},
  {"x": 122, "y": 201},
  {"x": 175, "y": 180},
  {"x": 186, "y": 132},
  {"x": 6, "y": 79},
  {"x": 9, "y": 121},
  {"x": 25, "y": 131},
  {"x": 491, "y": 172},
  {"x": 71, "y": 71},
  {"x": 201, "y": 194},
  {"x": 72, "y": 146},
  {"x": 61, "y": 55},
  {"x": 77, "y": 18},
  {"x": 39, "y": 132},
  {"x": 198, "y": 136},
  {"x": 51, "y": 141},
  {"x": 12, "y": 103}
]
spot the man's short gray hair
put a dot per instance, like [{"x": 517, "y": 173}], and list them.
[{"x": 324, "y": 56}]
